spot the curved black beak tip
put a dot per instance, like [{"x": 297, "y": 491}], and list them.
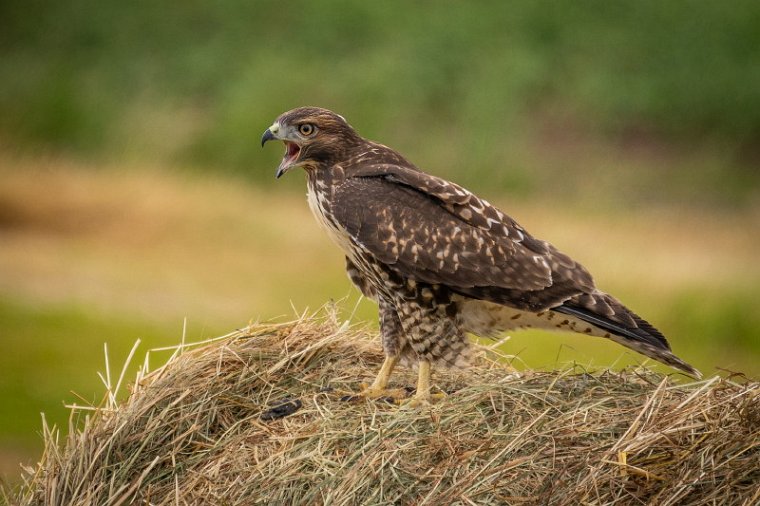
[{"x": 268, "y": 136}]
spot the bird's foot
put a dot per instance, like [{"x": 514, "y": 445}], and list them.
[
  {"x": 371, "y": 392},
  {"x": 423, "y": 396},
  {"x": 421, "y": 401},
  {"x": 390, "y": 394}
]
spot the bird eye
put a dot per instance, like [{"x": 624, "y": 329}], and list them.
[{"x": 306, "y": 129}]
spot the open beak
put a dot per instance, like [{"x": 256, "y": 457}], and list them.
[{"x": 292, "y": 150}]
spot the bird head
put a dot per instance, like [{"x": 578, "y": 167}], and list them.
[{"x": 313, "y": 138}]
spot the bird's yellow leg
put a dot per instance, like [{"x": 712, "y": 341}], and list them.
[
  {"x": 378, "y": 388},
  {"x": 423, "y": 396}
]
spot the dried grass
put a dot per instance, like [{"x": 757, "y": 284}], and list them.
[{"x": 192, "y": 432}]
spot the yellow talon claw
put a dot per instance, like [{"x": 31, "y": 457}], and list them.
[
  {"x": 378, "y": 389},
  {"x": 394, "y": 394},
  {"x": 419, "y": 401}
]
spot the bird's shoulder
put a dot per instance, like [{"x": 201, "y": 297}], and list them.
[{"x": 388, "y": 173}]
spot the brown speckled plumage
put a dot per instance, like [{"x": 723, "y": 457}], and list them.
[{"x": 439, "y": 260}]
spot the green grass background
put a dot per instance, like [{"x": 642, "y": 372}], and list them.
[
  {"x": 134, "y": 194},
  {"x": 191, "y": 82}
]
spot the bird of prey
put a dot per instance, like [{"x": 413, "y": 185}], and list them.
[{"x": 440, "y": 261}]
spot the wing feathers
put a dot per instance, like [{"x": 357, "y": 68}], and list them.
[
  {"x": 418, "y": 236},
  {"x": 436, "y": 231}
]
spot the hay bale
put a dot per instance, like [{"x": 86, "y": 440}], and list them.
[{"x": 257, "y": 417}]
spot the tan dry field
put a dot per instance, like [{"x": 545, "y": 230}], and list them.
[{"x": 145, "y": 239}]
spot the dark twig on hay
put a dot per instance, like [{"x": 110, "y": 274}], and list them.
[{"x": 281, "y": 409}]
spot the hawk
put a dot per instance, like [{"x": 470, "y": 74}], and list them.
[{"x": 440, "y": 261}]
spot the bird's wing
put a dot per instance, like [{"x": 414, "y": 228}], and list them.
[{"x": 434, "y": 231}]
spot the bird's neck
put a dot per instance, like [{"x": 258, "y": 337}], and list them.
[{"x": 321, "y": 178}]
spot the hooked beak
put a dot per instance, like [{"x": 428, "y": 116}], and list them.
[
  {"x": 268, "y": 136},
  {"x": 292, "y": 150}
]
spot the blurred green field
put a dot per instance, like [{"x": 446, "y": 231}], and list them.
[
  {"x": 191, "y": 84},
  {"x": 134, "y": 193}
]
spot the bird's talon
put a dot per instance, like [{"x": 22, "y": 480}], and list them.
[
  {"x": 394, "y": 393},
  {"x": 416, "y": 403},
  {"x": 424, "y": 400}
]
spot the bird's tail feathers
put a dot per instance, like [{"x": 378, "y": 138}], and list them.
[{"x": 636, "y": 334}]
